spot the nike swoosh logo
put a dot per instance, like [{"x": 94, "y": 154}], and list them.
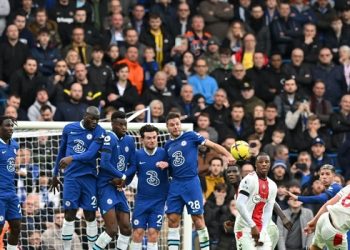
[
  {"x": 3, "y": 152},
  {"x": 142, "y": 162}
]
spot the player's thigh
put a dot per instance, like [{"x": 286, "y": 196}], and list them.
[
  {"x": 88, "y": 198},
  {"x": 155, "y": 220},
  {"x": 337, "y": 242},
  {"x": 71, "y": 193},
  {"x": 139, "y": 216},
  {"x": 123, "y": 219},
  {"x": 244, "y": 241},
  {"x": 13, "y": 209},
  {"x": 175, "y": 202},
  {"x": 108, "y": 198},
  {"x": 273, "y": 233},
  {"x": 193, "y": 197}
]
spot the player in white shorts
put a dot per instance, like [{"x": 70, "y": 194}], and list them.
[
  {"x": 331, "y": 223},
  {"x": 255, "y": 202}
]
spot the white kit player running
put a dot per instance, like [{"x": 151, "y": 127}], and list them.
[
  {"x": 255, "y": 202},
  {"x": 331, "y": 223}
]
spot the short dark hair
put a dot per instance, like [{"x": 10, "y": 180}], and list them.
[
  {"x": 205, "y": 114},
  {"x": 220, "y": 186},
  {"x": 172, "y": 115},
  {"x": 120, "y": 66},
  {"x": 237, "y": 105},
  {"x": 271, "y": 105},
  {"x": 260, "y": 119},
  {"x": 118, "y": 115},
  {"x": 45, "y": 107},
  {"x": 153, "y": 16},
  {"x": 216, "y": 158},
  {"x": 148, "y": 128}
]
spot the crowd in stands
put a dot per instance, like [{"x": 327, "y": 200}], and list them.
[{"x": 273, "y": 73}]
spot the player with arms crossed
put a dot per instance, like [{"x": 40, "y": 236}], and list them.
[
  {"x": 185, "y": 188},
  {"x": 255, "y": 203},
  {"x": 331, "y": 223},
  {"x": 152, "y": 189},
  {"x": 79, "y": 140},
  {"x": 10, "y": 209},
  {"x": 117, "y": 155}
]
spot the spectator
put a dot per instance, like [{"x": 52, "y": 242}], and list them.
[
  {"x": 197, "y": 37},
  {"x": 318, "y": 105},
  {"x": 137, "y": 19},
  {"x": 174, "y": 82},
  {"x": 166, "y": 11},
  {"x": 186, "y": 68},
  {"x": 188, "y": 108},
  {"x": 234, "y": 83},
  {"x": 301, "y": 12},
  {"x": 255, "y": 147},
  {"x": 46, "y": 113},
  {"x": 121, "y": 94},
  {"x": 51, "y": 238},
  {"x": 258, "y": 26},
  {"x": 112, "y": 55},
  {"x": 34, "y": 241},
  {"x": 216, "y": 15},
  {"x": 331, "y": 75},
  {"x": 11, "y": 111},
  {"x": 300, "y": 70},
  {"x": 74, "y": 108},
  {"x": 160, "y": 92},
  {"x": 156, "y": 112},
  {"x": 72, "y": 59},
  {"x": 260, "y": 131},
  {"x": 234, "y": 37},
  {"x": 114, "y": 34},
  {"x": 336, "y": 36},
  {"x": 277, "y": 139},
  {"x": 233, "y": 179},
  {"x": 25, "y": 36},
  {"x": 205, "y": 154},
  {"x": 227, "y": 236},
  {"x": 223, "y": 71},
  {"x": 324, "y": 14},
  {"x": 259, "y": 112},
  {"x": 284, "y": 30},
  {"x": 15, "y": 101},
  {"x": 313, "y": 132},
  {"x": 136, "y": 74},
  {"x": 45, "y": 54},
  {"x": 301, "y": 169},
  {"x": 242, "y": 10},
  {"x": 249, "y": 99},
  {"x": 282, "y": 154},
  {"x": 79, "y": 44},
  {"x": 246, "y": 53},
  {"x": 159, "y": 38},
  {"x": 309, "y": 43},
  {"x": 203, "y": 123},
  {"x": 202, "y": 83},
  {"x": 182, "y": 21},
  {"x": 271, "y": 12},
  {"x": 299, "y": 216},
  {"x": 212, "y": 54},
  {"x": 279, "y": 173},
  {"x": 43, "y": 22},
  {"x": 318, "y": 154},
  {"x": 275, "y": 73},
  {"x": 13, "y": 54},
  {"x": 344, "y": 59},
  {"x": 149, "y": 65},
  {"x": 42, "y": 98},
  {"x": 131, "y": 38},
  {"x": 4, "y": 12},
  {"x": 219, "y": 110},
  {"x": 25, "y": 82}
]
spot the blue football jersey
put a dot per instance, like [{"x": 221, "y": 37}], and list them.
[
  {"x": 117, "y": 155},
  {"x": 183, "y": 154},
  {"x": 153, "y": 182},
  {"x": 8, "y": 154},
  {"x": 75, "y": 141}
]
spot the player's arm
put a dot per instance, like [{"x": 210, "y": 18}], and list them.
[
  {"x": 286, "y": 222},
  {"x": 61, "y": 152},
  {"x": 267, "y": 215},
  {"x": 220, "y": 150},
  {"x": 106, "y": 156},
  {"x": 315, "y": 199},
  {"x": 131, "y": 164}
]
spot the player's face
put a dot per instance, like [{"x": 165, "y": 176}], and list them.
[
  {"x": 90, "y": 121},
  {"x": 174, "y": 127},
  {"x": 233, "y": 174},
  {"x": 7, "y": 129},
  {"x": 326, "y": 177},
  {"x": 150, "y": 140},
  {"x": 263, "y": 165},
  {"x": 119, "y": 126}
]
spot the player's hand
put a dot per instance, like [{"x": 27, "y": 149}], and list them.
[
  {"x": 256, "y": 235},
  {"x": 229, "y": 159},
  {"x": 65, "y": 161},
  {"x": 310, "y": 228},
  {"x": 117, "y": 183},
  {"x": 228, "y": 226},
  {"x": 291, "y": 196},
  {"x": 162, "y": 164},
  {"x": 56, "y": 185},
  {"x": 287, "y": 223}
]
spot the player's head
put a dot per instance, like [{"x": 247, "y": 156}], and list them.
[
  {"x": 91, "y": 117},
  {"x": 327, "y": 174},
  {"x": 149, "y": 136},
  {"x": 119, "y": 123},
  {"x": 233, "y": 174},
  {"x": 6, "y": 127},
  {"x": 173, "y": 123},
  {"x": 262, "y": 164}
]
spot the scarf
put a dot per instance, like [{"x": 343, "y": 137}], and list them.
[{"x": 158, "y": 38}]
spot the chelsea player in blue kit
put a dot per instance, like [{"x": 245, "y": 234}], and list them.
[
  {"x": 152, "y": 189},
  {"x": 77, "y": 155},
  {"x": 117, "y": 155},
  {"x": 10, "y": 209},
  {"x": 185, "y": 188}
]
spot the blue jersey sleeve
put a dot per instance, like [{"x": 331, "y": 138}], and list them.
[
  {"x": 199, "y": 139},
  {"x": 93, "y": 148},
  {"x": 132, "y": 162},
  {"x": 321, "y": 198},
  {"x": 106, "y": 157},
  {"x": 61, "y": 151}
]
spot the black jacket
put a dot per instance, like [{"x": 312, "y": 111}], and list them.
[{"x": 127, "y": 101}]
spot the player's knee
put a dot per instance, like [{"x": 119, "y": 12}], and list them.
[
  {"x": 137, "y": 235},
  {"x": 152, "y": 235},
  {"x": 125, "y": 229},
  {"x": 15, "y": 228},
  {"x": 173, "y": 221},
  {"x": 70, "y": 215},
  {"x": 112, "y": 231},
  {"x": 198, "y": 221},
  {"x": 89, "y": 215}
]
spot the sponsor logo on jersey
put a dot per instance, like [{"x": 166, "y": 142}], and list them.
[
  {"x": 121, "y": 163},
  {"x": 183, "y": 143},
  {"x": 136, "y": 222},
  {"x": 109, "y": 201},
  {"x": 79, "y": 146},
  {"x": 89, "y": 136},
  {"x": 257, "y": 198},
  {"x": 67, "y": 203},
  {"x": 11, "y": 166}
]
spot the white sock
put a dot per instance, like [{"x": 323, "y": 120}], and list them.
[
  {"x": 102, "y": 241},
  {"x": 203, "y": 237},
  {"x": 91, "y": 231},
  {"x": 152, "y": 246},
  {"x": 135, "y": 245},
  {"x": 174, "y": 238},
  {"x": 67, "y": 234},
  {"x": 11, "y": 247},
  {"x": 123, "y": 242}
]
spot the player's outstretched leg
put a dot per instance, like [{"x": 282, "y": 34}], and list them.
[
  {"x": 174, "y": 231},
  {"x": 91, "y": 227},
  {"x": 15, "y": 226},
  {"x": 125, "y": 230},
  {"x": 111, "y": 231},
  {"x": 202, "y": 231},
  {"x": 68, "y": 228}
]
